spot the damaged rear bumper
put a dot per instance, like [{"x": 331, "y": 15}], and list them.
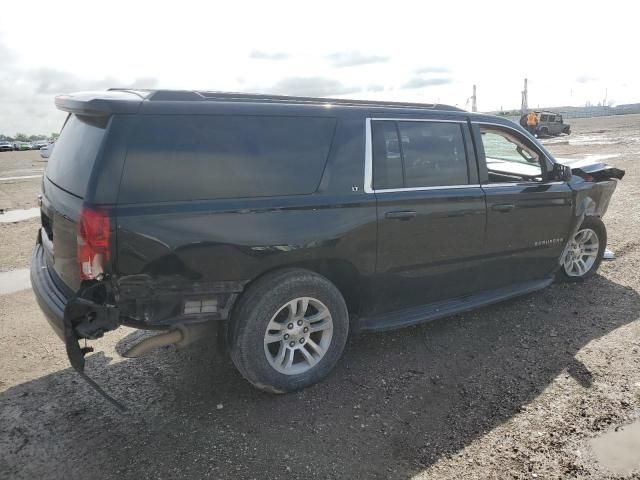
[
  {"x": 51, "y": 298},
  {"x": 88, "y": 314},
  {"x": 85, "y": 314},
  {"x": 72, "y": 316}
]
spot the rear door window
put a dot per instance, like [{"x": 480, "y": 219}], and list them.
[
  {"x": 387, "y": 161},
  {"x": 415, "y": 154},
  {"x": 75, "y": 152},
  {"x": 192, "y": 157},
  {"x": 433, "y": 154}
]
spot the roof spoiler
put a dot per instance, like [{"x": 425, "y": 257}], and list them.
[{"x": 101, "y": 103}]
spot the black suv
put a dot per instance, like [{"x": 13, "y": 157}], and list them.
[{"x": 292, "y": 221}]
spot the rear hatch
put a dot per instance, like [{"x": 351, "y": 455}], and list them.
[{"x": 64, "y": 188}]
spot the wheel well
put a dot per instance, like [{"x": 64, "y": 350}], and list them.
[{"x": 341, "y": 273}]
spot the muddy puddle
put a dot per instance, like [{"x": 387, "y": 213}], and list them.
[
  {"x": 14, "y": 281},
  {"x": 619, "y": 451},
  {"x": 12, "y": 216},
  {"x": 594, "y": 157},
  {"x": 590, "y": 139}
]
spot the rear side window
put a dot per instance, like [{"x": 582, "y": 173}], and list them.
[
  {"x": 431, "y": 154},
  {"x": 387, "y": 162},
  {"x": 75, "y": 152},
  {"x": 191, "y": 157}
]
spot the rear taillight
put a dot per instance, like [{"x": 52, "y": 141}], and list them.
[{"x": 93, "y": 242}]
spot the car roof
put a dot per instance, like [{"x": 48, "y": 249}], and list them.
[{"x": 117, "y": 100}]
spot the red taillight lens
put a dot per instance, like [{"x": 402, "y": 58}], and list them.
[{"x": 93, "y": 242}]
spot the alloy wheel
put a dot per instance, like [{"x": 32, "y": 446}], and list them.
[
  {"x": 298, "y": 335},
  {"x": 582, "y": 253}
]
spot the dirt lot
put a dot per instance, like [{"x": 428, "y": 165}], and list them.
[{"x": 515, "y": 390}]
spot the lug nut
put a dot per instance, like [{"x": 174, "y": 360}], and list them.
[
  {"x": 299, "y": 322},
  {"x": 302, "y": 340},
  {"x": 292, "y": 344},
  {"x": 286, "y": 336},
  {"x": 290, "y": 326},
  {"x": 305, "y": 329}
]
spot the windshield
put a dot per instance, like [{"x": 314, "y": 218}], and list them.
[{"x": 72, "y": 160}]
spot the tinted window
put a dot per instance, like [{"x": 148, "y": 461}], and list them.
[
  {"x": 75, "y": 152},
  {"x": 189, "y": 157},
  {"x": 433, "y": 153},
  {"x": 387, "y": 163},
  {"x": 544, "y": 118}
]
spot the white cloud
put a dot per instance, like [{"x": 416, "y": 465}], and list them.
[
  {"x": 310, "y": 87},
  {"x": 262, "y": 55},
  {"x": 355, "y": 58}
]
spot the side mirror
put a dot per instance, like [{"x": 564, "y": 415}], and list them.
[{"x": 561, "y": 172}]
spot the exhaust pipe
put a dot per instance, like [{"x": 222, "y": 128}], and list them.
[{"x": 181, "y": 336}]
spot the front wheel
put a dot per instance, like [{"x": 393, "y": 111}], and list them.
[
  {"x": 585, "y": 250},
  {"x": 288, "y": 330}
]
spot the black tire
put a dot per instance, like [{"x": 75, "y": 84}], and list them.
[
  {"x": 253, "y": 312},
  {"x": 597, "y": 225},
  {"x": 544, "y": 132}
]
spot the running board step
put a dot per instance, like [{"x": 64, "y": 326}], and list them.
[{"x": 434, "y": 311}]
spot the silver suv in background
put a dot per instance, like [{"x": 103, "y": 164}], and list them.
[
  {"x": 38, "y": 144},
  {"x": 45, "y": 151}
]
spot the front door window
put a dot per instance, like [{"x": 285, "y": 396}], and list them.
[{"x": 508, "y": 158}]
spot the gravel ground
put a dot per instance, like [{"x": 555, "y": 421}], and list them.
[
  {"x": 515, "y": 390},
  {"x": 20, "y": 193}
]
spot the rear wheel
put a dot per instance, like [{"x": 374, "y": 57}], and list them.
[
  {"x": 288, "y": 330},
  {"x": 585, "y": 250}
]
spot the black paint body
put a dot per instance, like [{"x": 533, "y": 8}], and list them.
[{"x": 457, "y": 242}]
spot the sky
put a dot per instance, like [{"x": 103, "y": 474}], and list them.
[{"x": 572, "y": 52}]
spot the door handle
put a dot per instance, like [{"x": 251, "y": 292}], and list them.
[
  {"x": 401, "y": 215},
  {"x": 503, "y": 207}
]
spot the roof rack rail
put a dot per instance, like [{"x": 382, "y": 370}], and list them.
[
  {"x": 135, "y": 91},
  {"x": 197, "y": 95}
]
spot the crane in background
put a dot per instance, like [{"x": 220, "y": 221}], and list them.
[{"x": 524, "y": 107}]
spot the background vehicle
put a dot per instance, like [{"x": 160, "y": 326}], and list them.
[
  {"x": 21, "y": 146},
  {"x": 45, "y": 151},
  {"x": 6, "y": 146},
  {"x": 549, "y": 124},
  {"x": 292, "y": 223},
  {"x": 38, "y": 144}
]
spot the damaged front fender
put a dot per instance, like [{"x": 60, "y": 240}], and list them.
[
  {"x": 596, "y": 170},
  {"x": 593, "y": 184}
]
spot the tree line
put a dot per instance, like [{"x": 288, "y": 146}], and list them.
[{"x": 23, "y": 137}]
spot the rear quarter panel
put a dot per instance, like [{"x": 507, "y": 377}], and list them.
[{"x": 206, "y": 244}]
